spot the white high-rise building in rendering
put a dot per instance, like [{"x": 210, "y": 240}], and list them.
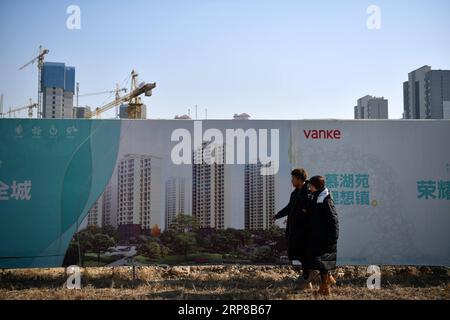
[
  {"x": 101, "y": 212},
  {"x": 107, "y": 219},
  {"x": 138, "y": 194},
  {"x": 95, "y": 214},
  {"x": 211, "y": 187},
  {"x": 175, "y": 198},
  {"x": 259, "y": 198}
]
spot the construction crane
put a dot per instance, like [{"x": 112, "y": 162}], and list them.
[
  {"x": 133, "y": 99},
  {"x": 135, "y": 104},
  {"x": 29, "y": 106},
  {"x": 40, "y": 65},
  {"x": 117, "y": 91}
]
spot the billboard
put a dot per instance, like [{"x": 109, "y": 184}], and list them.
[{"x": 184, "y": 191}]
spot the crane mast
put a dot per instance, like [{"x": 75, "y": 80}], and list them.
[{"x": 40, "y": 65}]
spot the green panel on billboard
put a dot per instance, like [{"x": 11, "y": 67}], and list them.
[{"x": 47, "y": 169}]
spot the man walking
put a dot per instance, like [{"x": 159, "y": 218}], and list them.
[{"x": 297, "y": 218}]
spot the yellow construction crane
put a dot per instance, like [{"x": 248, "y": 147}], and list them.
[
  {"x": 29, "y": 106},
  {"x": 40, "y": 65},
  {"x": 117, "y": 91},
  {"x": 133, "y": 99}
]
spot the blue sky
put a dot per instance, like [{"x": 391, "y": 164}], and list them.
[{"x": 271, "y": 59}]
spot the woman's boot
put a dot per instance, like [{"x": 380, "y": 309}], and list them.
[
  {"x": 331, "y": 280},
  {"x": 327, "y": 282}
]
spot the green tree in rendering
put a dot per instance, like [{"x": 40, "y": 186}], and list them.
[
  {"x": 184, "y": 223},
  {"x": 100, "y": 243},
  {"x": 185, "y": 243}
]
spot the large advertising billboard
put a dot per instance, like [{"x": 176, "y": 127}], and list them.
[{"x": 184, "y": 191}]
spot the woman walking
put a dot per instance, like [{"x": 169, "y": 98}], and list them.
[{"x": 322, "y": 236}]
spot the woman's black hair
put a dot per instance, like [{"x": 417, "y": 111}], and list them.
[{"x": 318, "y": 182}]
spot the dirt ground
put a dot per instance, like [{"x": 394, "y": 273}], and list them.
[{"x": 221, "y": 282}]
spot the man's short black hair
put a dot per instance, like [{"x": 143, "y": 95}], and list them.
[{"x": 300, "y": 173}]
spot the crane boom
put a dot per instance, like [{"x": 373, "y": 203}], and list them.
[
  {"x": 30, "y": 107},
  {"x": 146, "y": 88},
  {"x": 27, "y": 64},
  {"x": 103, "y": 92},
  {"x": 42, "y": 53}
]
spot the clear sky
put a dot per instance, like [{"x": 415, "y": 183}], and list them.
[{"x": 271, "y": 59}]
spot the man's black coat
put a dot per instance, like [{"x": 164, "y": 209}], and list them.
[{"x": 297, "y": 222}]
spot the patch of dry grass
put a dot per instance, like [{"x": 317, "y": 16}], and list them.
[{"x": 220, "y": 282}]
